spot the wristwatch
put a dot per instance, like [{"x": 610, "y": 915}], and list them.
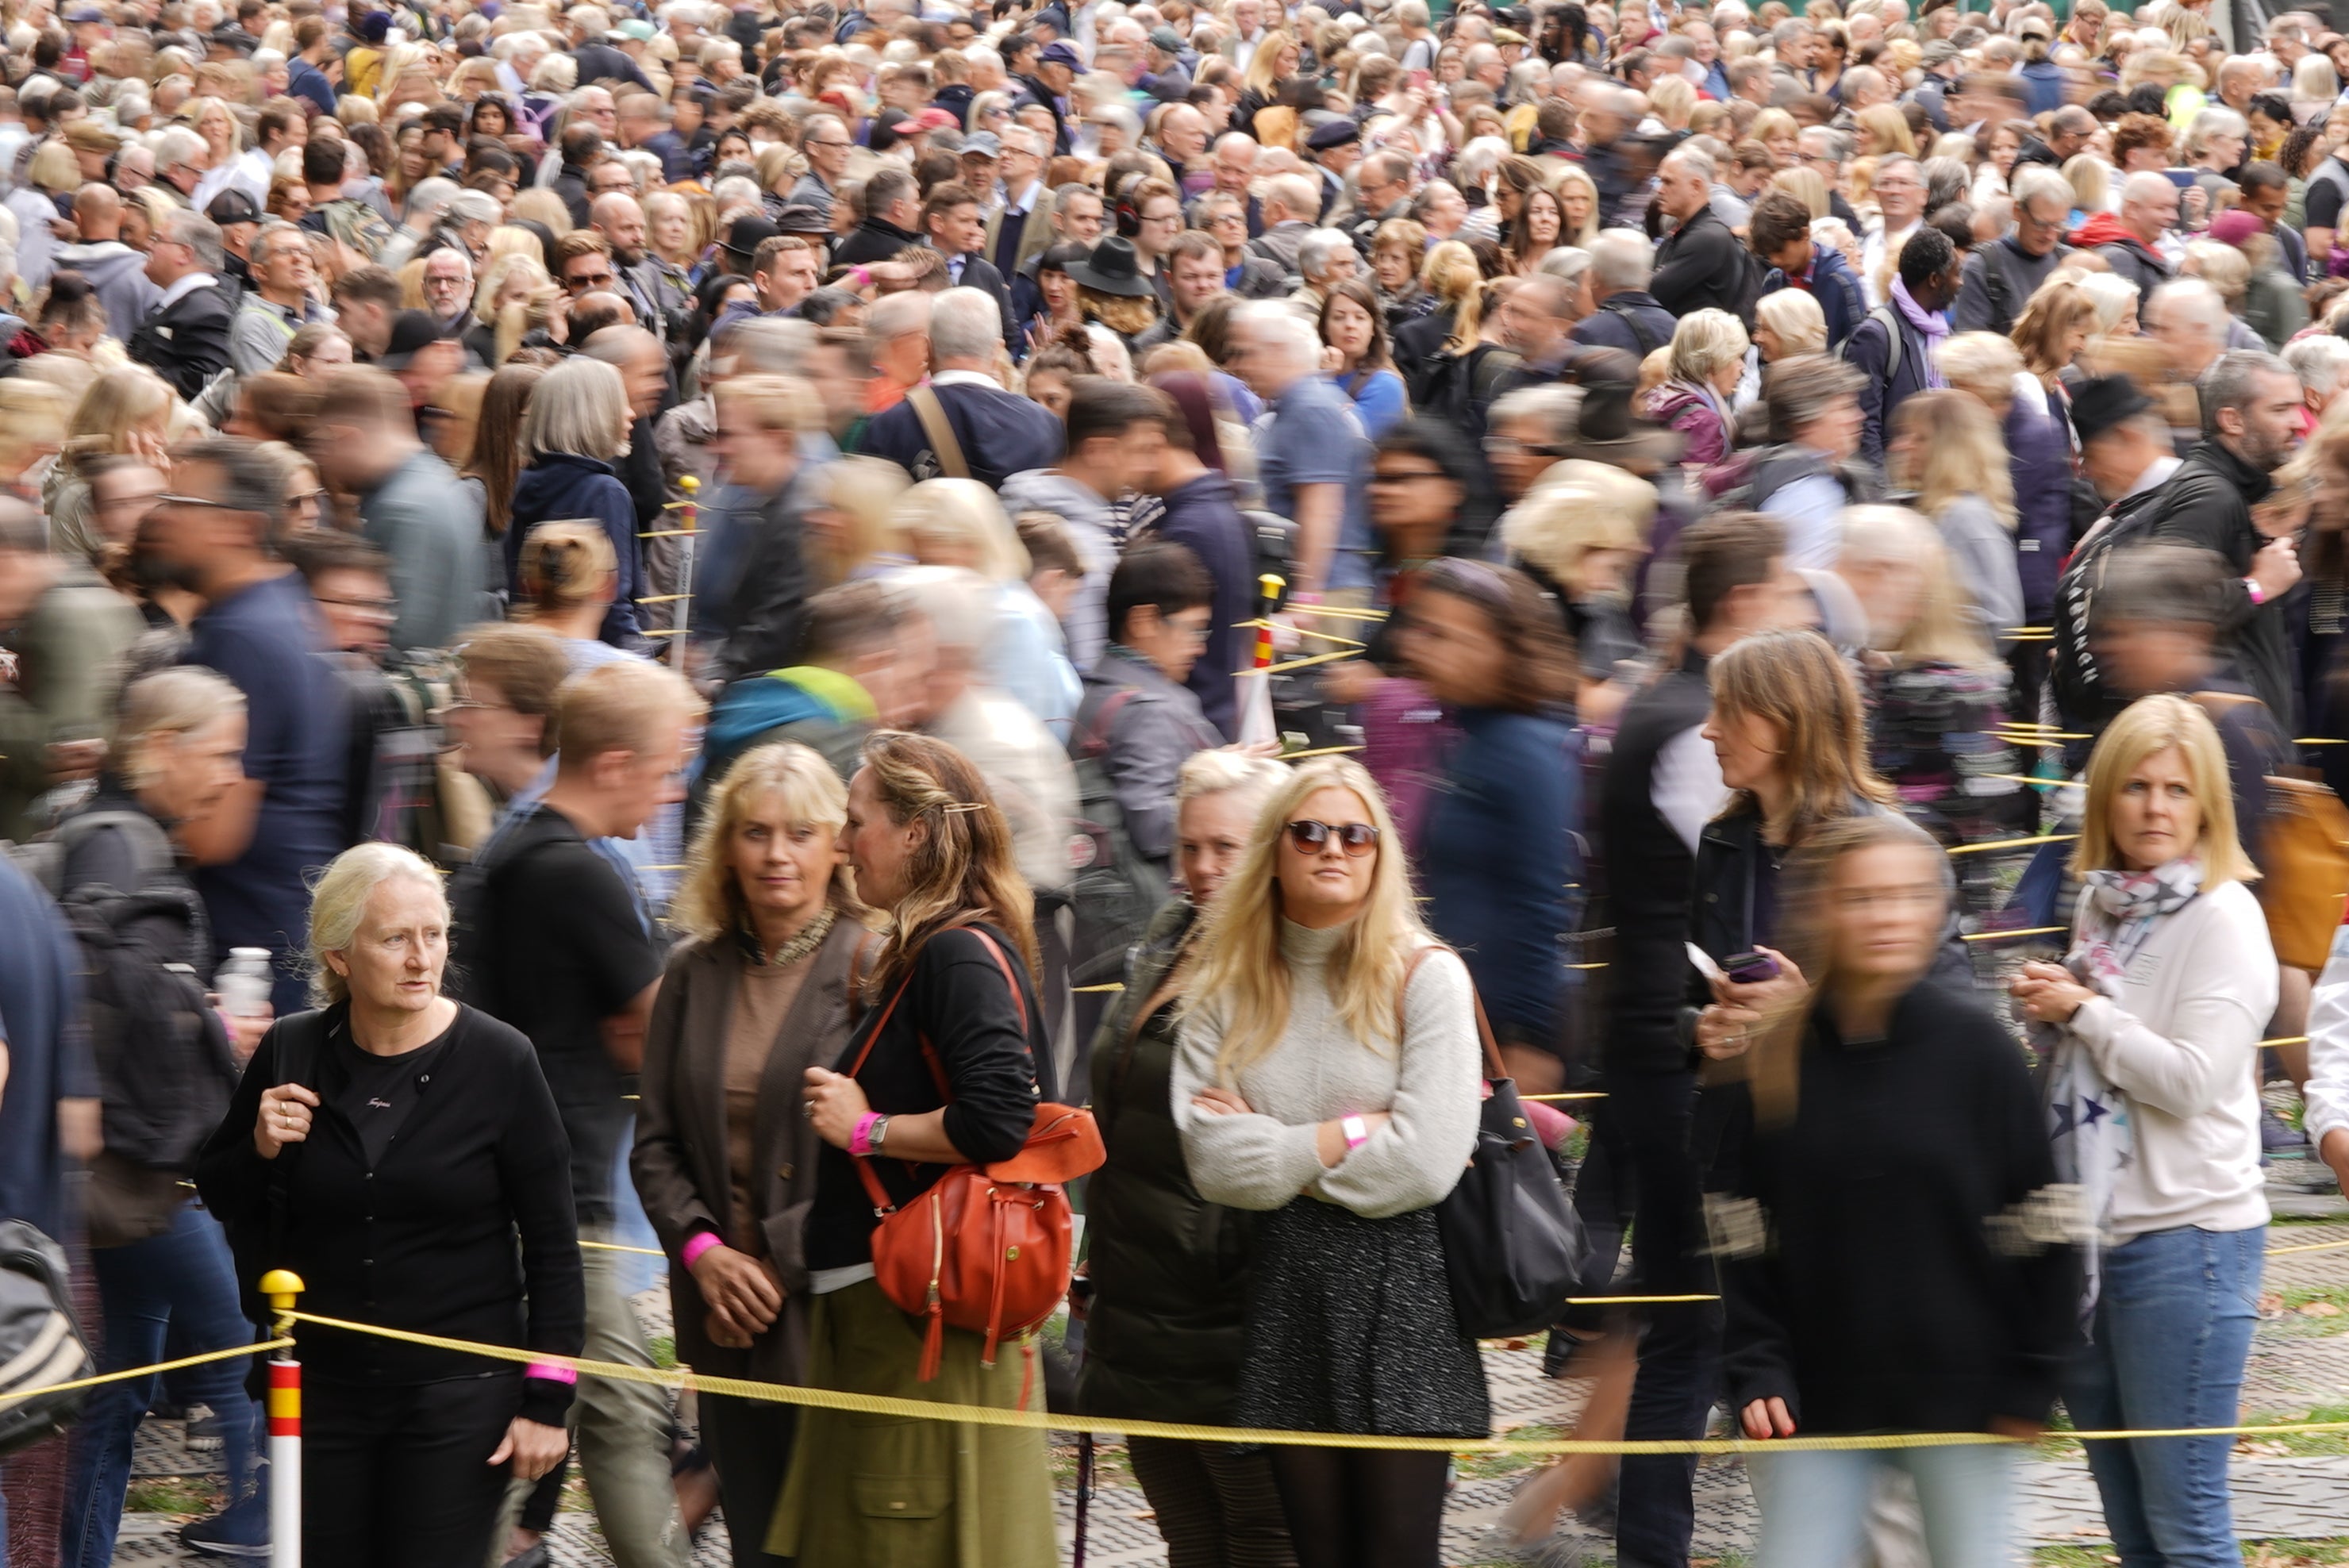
[{"x": 880, "y": 1131}]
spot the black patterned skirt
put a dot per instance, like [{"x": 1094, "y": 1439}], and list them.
[{"x": 1350, "y": 1329}]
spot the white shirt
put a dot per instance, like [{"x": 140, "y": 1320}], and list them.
[
  {"x": 1873, "y": 250},
  {"x": 2326, "y": 1096},
  {"x": 184, "y": 287}
]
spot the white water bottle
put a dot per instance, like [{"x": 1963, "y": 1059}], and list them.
[{"x": 245, "y": 982}]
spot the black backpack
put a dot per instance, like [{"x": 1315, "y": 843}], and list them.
[
  {"x": 2078, "y": 684},
  {"x": 165, "y": 1068}
]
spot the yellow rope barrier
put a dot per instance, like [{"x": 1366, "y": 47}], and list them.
[
  {"x": 871, "y": 1405},
  {"x": 2306, "y": 1247},
  {"x": 2013, "y": 843},
  {"x": 623, "y": 1247},
  {"x": 1316, "y": 751},
  {"x": 127, "y": 1373},
  {"x": 2010, "y": 935},
  {"x": 1309, "y": 660}
]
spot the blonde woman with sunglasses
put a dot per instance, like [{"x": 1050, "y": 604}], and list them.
[{"x": 1328, "y": 1079}]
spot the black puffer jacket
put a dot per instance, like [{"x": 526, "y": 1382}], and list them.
[{"x": 1169, "y": 1269}]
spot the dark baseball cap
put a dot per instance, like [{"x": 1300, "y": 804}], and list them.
[
  {"x": 412, "y": 330},
  {"x": 233, "y": 206},
  {"x": 746, "y": 233},
  {"x": 799, "y": 217},
  {"x": 2105, "y": 402}
]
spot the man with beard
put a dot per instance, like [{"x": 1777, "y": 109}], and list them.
[
  {"x": 618, "y": 217},
  {"x": 2250, "y": 424}
]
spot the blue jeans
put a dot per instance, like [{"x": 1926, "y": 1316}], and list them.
[
  {"x": 183, "y": 1277},
  {"x": 2171, "y": 1331},
  {"x": 1814, "y": 1504}
]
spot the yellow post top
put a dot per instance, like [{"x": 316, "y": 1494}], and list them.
[
  {"x": 687, "y": 483},
  {"x": 1271, "y": 583},
  {"x": 281, "y": 1287}
]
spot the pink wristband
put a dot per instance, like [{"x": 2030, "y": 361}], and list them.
[
  {"x": 861, "y": 1141},
  {"x": 698, "y": 1244},
  {"x": 550, "y": 1372}
]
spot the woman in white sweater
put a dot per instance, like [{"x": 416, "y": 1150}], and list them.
[
  {"x": 1329, "y": 1077},
  {"x": 2157, "y": 1014}
]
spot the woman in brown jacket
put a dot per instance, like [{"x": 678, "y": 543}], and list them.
[{"x": 725, "y": 1159}]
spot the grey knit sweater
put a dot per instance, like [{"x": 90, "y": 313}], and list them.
[{"x": 1316, "y": 1072}]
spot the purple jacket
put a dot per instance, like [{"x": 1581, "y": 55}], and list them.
[
  {"x": 2039, "y": 448},
  {"x": 1696, "y": 414}
]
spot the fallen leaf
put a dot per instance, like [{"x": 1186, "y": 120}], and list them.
[
  {"x": 2320, "y": 1309},
  {"x": 2271, "y": 1303}
]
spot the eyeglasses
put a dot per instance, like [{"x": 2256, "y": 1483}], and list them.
[
  {"x": 831, "y": 144},
  {"x": 167, "y": 499},
  {"x": 587, "y": 281},
  {"x": 1356, "y": 839},
  {"x": 1404, "y": 476}
]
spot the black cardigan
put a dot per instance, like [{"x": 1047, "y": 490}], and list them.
[
  {"x": 1897, "y": 1292},
  {"x": 996, "y": 1072},
  {"x": 426, "y": 1241}
]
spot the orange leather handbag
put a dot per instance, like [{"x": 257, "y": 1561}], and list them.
[{"x": 988, "y": 1248}]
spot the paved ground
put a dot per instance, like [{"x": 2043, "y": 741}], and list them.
[{"x": 2300, "y": 1364}]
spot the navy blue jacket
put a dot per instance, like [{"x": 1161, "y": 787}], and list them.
[
  {"x": 1869, "y": 350},
  {"x": 1610, "y": 326},
  {"x": 1835, "y": 286},
  {"x": 1497, "y": 857},
  {"x": 1000, "y": 434},
  {"x": 561, "y": 487},
  {"x": 49, "y": 1057},
  {"x": 2039, "y": 453},
  {"x": 1203, "y": 517}
]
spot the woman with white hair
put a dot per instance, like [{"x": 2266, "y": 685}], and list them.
[
  {"x": 381, "y": 1147},
  {"x": 575, "y": 429},
  {"x": 1708, "y": 359}
]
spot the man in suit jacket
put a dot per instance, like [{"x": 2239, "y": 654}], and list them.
[
  {"x": 953, "y": 227},
  {"x": 185, "y": 339},
  {"x": 1020, "y": 226}
]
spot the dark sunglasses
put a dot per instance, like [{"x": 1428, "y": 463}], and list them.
[{"x": 1355, "y": 838}]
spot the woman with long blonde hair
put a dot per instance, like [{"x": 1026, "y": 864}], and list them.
[
  {"x": 2151, "y": 1026},
  {"x": 756, "y": 994},
  {"x": 946, "y": 1068},
  {"x": 125, "y": 412},
  {"x": 1577, "y": 202},
  {"x": 1328, "y": 1079},
  {"x": 1945, "y": 451},
  {"x": 1451, "y": 277}
]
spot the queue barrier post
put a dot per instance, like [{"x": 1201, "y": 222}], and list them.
[{"x": 282, "y": 1286}]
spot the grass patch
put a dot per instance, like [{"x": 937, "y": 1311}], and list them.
[
  {"x": 176, "y": 1494},
  {"x": 1485, "y": 1467},
  {"x": 2320, "y": 1309},
  {"x": 1112, "y": 1467},
  {"x": 2326, "y": 1553},
  {"x": 664, "y": 1349},
  {"x": 2298, "y": 1444}
]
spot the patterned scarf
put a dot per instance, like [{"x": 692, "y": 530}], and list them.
[{"x": 2090, "y": 1120}]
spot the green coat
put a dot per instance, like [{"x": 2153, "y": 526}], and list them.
[
  {"x": 68, "y": 653},
  {"x": 1164, "y": 1338}
]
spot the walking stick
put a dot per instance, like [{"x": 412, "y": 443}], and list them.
[{"x": 1084, "y": 1494}]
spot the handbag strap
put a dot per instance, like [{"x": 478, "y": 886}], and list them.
[
  {"x": 1493, "y": 1066},
  {"x": 873, "y": 1188},
  {"x": 937, "y": 426}
]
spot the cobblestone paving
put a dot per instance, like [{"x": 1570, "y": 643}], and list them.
[{"x": 2296, "y": 1366}]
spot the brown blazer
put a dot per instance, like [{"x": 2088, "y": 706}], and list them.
[{"x": 680, "y": 1159}]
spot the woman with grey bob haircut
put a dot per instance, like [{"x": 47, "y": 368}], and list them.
[
  {"x": 401, "y": 1152},
  {"x": 575, "y": 428}
]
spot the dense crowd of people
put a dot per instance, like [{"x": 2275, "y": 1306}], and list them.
[{"x": 681, "y": 625}]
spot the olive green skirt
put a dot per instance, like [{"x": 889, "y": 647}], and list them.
[{"x": 878, "y": 1491}]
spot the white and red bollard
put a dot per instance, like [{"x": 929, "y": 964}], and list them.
[{"x": 284, "y": 1413}]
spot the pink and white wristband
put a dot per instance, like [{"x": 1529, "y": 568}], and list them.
[{"x": 698, "y": 1244}]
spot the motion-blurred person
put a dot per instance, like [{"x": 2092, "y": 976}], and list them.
[
  {"x": 412, "y": 506},
  {"x": 1167, "y": 1270},
  {"x": 1943, "y": 449},
  {"x": 215, "y": 532},
  {"x": 2152, "y": 1024},
  {"x": 555, "y": 940},
  {"x": 759, "y": 993},
  {"x": 1879, "y": 1064},
  {"x": 1497, "y": 847},
  {"x": 577, "y": 424},
  {"x": 168, "y": 1067}
]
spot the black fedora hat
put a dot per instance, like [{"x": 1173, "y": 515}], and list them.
[{"x": 1112, "y": 269}]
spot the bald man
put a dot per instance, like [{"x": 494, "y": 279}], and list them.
[
  {"x": 113, "y": 268},
  {"x": 620, "y": 218}
]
